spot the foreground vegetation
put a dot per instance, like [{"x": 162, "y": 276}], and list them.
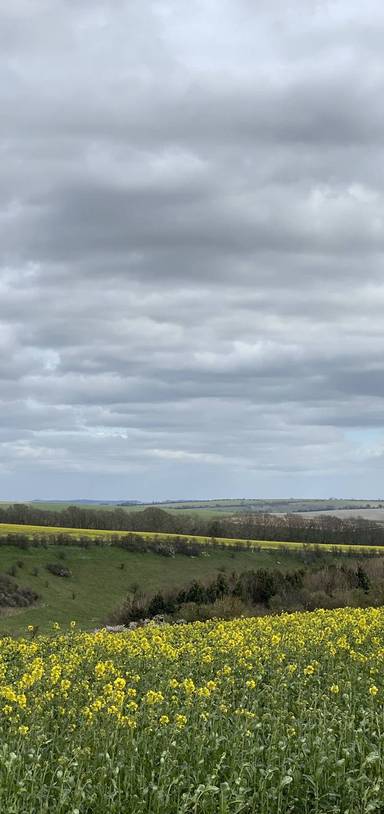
[{"x": 274, "y": 715}]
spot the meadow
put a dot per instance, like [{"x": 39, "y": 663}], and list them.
[{"x": 272, "y": 715}]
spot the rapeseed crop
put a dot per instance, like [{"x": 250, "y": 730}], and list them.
[
  {"x": 107, "y": 536},
  {"x": 255, "y": 716}
]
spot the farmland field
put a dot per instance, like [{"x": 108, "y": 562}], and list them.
[
  {"x": 376, "y": 515},
  {"x": 95, "y": 534},
  {"x": 256, "y": 716},
  {"x": 229, "y": 506}
]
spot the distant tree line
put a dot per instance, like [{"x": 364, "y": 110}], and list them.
[
  {"x": 129, "y": 542},
  {"x": 256, "y": 526}
]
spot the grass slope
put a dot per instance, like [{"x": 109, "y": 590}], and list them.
[{"x": 99, "y": 584}]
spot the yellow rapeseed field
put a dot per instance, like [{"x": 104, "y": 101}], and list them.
[
  {"x": 261, "y": 716},
  {"x": 107, "y": 536}
]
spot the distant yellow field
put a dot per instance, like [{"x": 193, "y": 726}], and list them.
[{"x": 93, "y": 534}]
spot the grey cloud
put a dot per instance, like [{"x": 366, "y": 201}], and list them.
[{"x": 191, "y": 248}]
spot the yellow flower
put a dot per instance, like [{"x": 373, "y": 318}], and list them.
[
  {"x": 180, "y": 721},
  {"x": 207, "y": 658},
  {"x": 164, "y": 720},
  {"x": 128, "y": 722},
  {"x": 373, "y": 690},
  {"x": 119, "y": 683},
  {"x": 55, "y": 674},
  {"x": 189, "y": 686},
  {"x": 153, "y": 697},
  {"x": 335, "y": 689},
  {"x": 23, "y": 730},
  {"x": 203, "y": 692}
]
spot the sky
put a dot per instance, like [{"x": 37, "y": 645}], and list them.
[{"x": 191, "y": 249}]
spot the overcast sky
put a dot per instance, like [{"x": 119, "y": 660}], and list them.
[{"x": 191, "y": 248}]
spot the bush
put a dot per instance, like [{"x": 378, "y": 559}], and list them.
[
  {"x": 230, "y": 607},
  {"x": 12, "y": 596},
  {"x": 58, "y": 570}
]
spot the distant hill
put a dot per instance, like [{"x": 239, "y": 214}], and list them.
[{"x": 89, "y": 502}]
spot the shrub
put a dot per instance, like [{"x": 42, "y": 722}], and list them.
[
  {"x": 12, "y": 596},
  {"x": 58, "y": 570}
]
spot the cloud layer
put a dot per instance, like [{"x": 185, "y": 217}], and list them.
[{"x": 191, "y": 248}]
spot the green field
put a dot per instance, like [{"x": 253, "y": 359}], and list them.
[
  {"x": 102, "y": 575},
  {"x": 217, "y": 507},
  {"x": 99, "y": 582}
]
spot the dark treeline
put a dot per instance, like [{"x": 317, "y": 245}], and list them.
[
  {"x": 261, "y": 591},
  {"x": 256, "y": 526}
]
